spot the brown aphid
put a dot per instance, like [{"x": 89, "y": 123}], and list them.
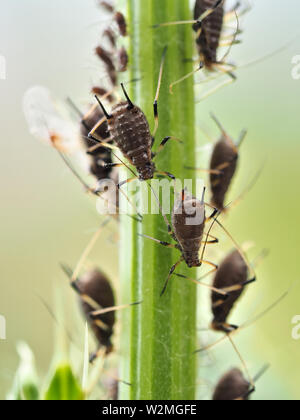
[
  {"x": 232, "y": 386},
  {"x": 123, "y": 59},
  {"x": 107, "y": 6},
  {"x": 224, "y": 159},
  {"x": 106, "y": 57},
  {"x": 223, "y": 165},
  {"x": 95, "y": 286},
  {"x": 232, "y": 277},
  {"x": 208, "y": 30},
  {"x": 189, "y": 236},
  {"x": 101, "y": 158},
  {"x": 121, "y": 22},
  {"x": 130, "y": 132}
]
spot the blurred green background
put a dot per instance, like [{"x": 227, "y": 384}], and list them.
[{"x": 47, "y": 219}]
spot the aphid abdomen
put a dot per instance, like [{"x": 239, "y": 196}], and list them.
[
  {"x": 224, "y": 159},
  {"x": 188, "y": 220},
  {"x": 130, "y": 130},
  {"x": 100, "y": 155},
  {"x": 232, "y": 272},
  {"x": 232, "y": 386},
  {"x": 95, "y": 285},
  {"x": 209, "y": 39}
]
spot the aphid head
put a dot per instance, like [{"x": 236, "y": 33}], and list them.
[{"x": 188, "y": 210}]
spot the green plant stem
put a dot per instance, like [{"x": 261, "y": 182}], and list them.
[{"x": 159, "y": 336}]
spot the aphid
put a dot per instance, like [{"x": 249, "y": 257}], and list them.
[
  {"x": 129, "y": 130},
  {"x": 95, "y": 286},
  {"x": 121, "y": 22},
  {"x": 234, "y": 387},
  {"x": 224, "y": 160},
  {"x": 111, "y": 36},
  {"x": 187, "y": 230},
  {"x": 208, "y": 25},
  {"x": 107, "y": 59},
  {"x": 208, "y": 30},
  {"x": 232, "y": 277},
  {"x": 118, "y": 17},
  {"x": 98, "y": 305},
  {"x": 123, "y": 59}
]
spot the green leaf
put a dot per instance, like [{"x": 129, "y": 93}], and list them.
[{"x": 63, "y": 385}]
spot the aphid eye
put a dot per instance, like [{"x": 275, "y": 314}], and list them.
[{"x": 194, "y": 204}]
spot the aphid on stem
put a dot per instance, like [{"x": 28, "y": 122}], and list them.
[
  {"x": 129, "y": 130},
  {"x": 187, "y": 230},
  {"x": 208, "y": 25}
]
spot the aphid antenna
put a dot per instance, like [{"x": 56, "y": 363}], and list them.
[{"x": 155, "y": 103}]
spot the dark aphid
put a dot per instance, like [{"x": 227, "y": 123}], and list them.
[
  {"x": 111, "y": 36},
  {"x": 107, "y": 6},
  {"x": 189, "y": 237},
  {"x": 208, "y": 30},
  {"x": 129, "y": 130},
  {"x": 232, "y": 277},
  {"x": 123, "y": 59},
  {"x": 187, "y": 230},
  {"x": 232, "y": 386},
  {"x": 223, "y": 166},
  {"x": 95, "y": 291},
  {"x": 121, "y": 22},
  {"x": 101, "y": 158}
]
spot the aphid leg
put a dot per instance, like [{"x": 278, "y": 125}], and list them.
[
  {"x": 163, "y": 243},
  {"x": 239, "y": 249},
  {"x": 173, "y": 268},
  {"x": 185, "y": 77},
  {"x": 164, "y": 142},
  {"x": 95, "y": 314},
  {"x": 246, "y": 324},
  {"x": 155, "y": 103},
  {"x": 209, "y": 171}
]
